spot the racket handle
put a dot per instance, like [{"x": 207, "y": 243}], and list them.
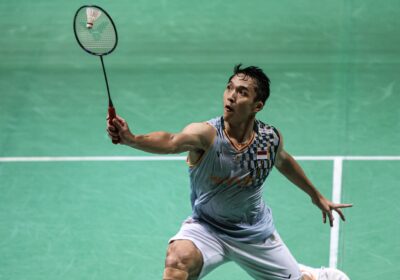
[{"x": 111, "y": 116}]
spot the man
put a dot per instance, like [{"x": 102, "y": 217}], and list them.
[{"x": 230, "y": 157}]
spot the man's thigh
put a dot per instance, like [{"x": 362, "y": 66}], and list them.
[
  {"x": 206, "y": 242},
  {"x": 270, "y": 260}
]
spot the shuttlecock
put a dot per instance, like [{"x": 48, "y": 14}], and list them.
[{"x": 91, "y": 15}]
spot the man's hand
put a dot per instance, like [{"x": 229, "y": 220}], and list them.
[
  {"x": 118, "y": 130},
  {"x": 327, "y": 207}
]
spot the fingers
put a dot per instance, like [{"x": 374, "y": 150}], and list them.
[
  {"x": 120, "y": 119},
  {"x": 343, "y": 205},
  {"x": 115, "y": 139},
  {"x": 340, "y": 214},
  {"x": 116, "y": 117},
  {"x": 118, "y": 130},
  {"x": 118, "y": 123},
  {"x": 113, "y": 133},
  {"x": 337, "y": 209},
  {"x": 331, "y": 218},
  {"x": 112, "y": 126},
  {"x": 113, "y": 129}
]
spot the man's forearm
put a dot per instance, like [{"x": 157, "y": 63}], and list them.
[{"x": 155, "y": 142}]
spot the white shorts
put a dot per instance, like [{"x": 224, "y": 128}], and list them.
[{"x": 269, "y": 260}]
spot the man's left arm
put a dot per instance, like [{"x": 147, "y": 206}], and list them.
[{"x": 289, "y": 167}]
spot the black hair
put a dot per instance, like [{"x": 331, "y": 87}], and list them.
[{"x": 262, "y": 80}]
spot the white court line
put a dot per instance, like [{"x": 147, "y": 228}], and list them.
[
  {"x": 361, "y": 158},
  {"x": 383, "y": 158},
  {"x": 168, "y": 158},
  {"x": 336, "y": 197},
  {"x": 93, "y": 158}
]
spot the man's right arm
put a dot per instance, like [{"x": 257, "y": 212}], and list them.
[{"x": 194, "y": 137}]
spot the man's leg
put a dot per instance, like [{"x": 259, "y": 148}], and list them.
[
  {"x": 193, "y": 252},
  {"x": 184, "y": 261}
]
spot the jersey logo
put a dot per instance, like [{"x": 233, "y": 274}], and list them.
[
  {"x": 262, "y": 154},
  {"x": 247, "y": 181}
]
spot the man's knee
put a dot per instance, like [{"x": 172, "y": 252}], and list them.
[{"x": 184, "y": 261}]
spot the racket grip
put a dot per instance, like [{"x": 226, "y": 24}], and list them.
[{"x": 111, "y": 116}]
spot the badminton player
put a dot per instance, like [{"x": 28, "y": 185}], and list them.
[{"x": 229, "y": 159}]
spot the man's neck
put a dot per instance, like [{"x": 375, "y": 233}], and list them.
[{"x": 241, "y": 132}]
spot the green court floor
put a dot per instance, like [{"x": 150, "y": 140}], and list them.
[{"x": 335, "y": 92}]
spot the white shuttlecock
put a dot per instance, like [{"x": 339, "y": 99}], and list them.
[{"x": 91, "y": 15}]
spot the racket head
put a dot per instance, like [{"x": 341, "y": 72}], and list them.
[{"x": 95, "y": 30}]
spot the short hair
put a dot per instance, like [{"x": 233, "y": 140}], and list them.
[{"x": 262, "y": 80}]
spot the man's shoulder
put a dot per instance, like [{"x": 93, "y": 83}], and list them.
[
  {"x": 269, "y": 131},
  {"x": 202, "y": 131},
  {"x": 215, "y": 122},
  {"x": 265, "y": 126},
  {"x": 199, "y": 128}
]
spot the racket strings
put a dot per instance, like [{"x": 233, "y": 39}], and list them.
[{"x": 101, "y": 38}]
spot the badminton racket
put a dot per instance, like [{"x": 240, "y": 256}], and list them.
[{"x": 96, "y": 34}]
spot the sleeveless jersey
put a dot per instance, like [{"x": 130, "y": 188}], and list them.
[{"x": 227, "y": 184}]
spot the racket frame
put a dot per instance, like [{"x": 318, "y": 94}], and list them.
[{"x": 112, "y": 22}]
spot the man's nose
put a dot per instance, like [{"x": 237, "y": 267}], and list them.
[{"x": 232, "y": 96}]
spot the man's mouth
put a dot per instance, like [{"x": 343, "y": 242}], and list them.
[{"x": 228, "y": 108}]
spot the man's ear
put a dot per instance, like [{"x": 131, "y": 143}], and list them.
[{"x": 259, "y": 106}]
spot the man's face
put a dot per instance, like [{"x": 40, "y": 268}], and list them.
[{"x": 239, "y": 98}]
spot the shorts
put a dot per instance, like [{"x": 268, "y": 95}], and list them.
[{"x": 268, "y": 260}]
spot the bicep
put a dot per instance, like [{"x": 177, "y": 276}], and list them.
[
  {"x": 196, "y": 136},
  {"x": 183, "y": 142}
]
